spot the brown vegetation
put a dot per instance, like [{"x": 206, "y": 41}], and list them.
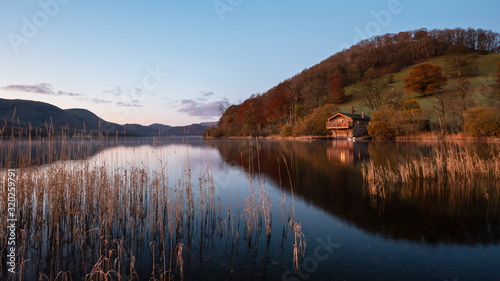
[{"x": 482, "y": 121}]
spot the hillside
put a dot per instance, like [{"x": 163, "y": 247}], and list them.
[
  {"x": 40, "y": 116},
  {"x": 341, "y": 80},
  {"x": 487, "y": 65}
]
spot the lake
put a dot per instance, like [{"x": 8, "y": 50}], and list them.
[{"x": 239, "y": 209}]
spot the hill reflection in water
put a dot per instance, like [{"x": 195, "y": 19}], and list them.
[{"x": 327, "y": 175}]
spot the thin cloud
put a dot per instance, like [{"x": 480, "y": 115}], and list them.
[
  {"x": 94, "y": 100},
  {"x": 198, "y": 109},
  {"x": 117, "y": 91},
  {"x": 42, "y": 88},
  {"x": 130, "y": 98},
  {"x": 126, "y": 104},
  {"x": 208, "y": 94},
  {"x": 71, "y": 94}
]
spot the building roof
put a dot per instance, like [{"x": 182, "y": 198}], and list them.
[{"x": 352, "y": 116}]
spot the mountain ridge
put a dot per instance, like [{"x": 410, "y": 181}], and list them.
[{"x": 39, "y": 115}]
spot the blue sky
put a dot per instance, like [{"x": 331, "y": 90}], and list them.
[{"x": 173, "y": 62}]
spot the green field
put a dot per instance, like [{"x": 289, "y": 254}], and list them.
[{"x": 486, "y": 76}]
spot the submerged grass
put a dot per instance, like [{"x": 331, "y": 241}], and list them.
[{"x": 94, "y": 221}]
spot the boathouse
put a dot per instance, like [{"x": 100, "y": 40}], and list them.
[{"x": 348, "y": 125}]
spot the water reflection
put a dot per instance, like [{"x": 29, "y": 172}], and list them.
[
  {"x": 330, "y": 200},
  {"x": 347, "y": 152},
  {"x": 327, "y": 174},
  {"x": 17, "y": 153}
]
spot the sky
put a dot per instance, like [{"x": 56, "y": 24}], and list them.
[{"x": 174, "y": 62}]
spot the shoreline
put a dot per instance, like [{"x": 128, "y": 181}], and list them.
[{"x": 438, "y": 137}]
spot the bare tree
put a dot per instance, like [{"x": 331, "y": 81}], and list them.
[
  {"x": 375, "y": 94},
  {"x": 461, "y": 63},
  {"x": 463, "y": 97},
  {"x": 443, "y": 109},
  {"x": 223, "y": 106}
]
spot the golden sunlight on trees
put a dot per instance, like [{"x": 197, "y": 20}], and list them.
[
  {"x": 425, "y": 79},
  {"x": 482, "y": 121},
  {"x": 402, "y": 118},
  {"x": 384, "y": 123},
  {"x": 412, "y": 115},
  {"x": 314, "y": 124}
]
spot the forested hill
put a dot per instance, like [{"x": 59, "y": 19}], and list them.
[{"x": 319, "y": 90}]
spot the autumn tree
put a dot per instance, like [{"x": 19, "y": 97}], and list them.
[
  {"x": 411, "y": 108},
  {"x": 384, "y": 123},
  {"x": 251, "y": 116},
  {"x": 411, "y": 114},
  {"x": 336, "y": 87},
  {"x": 424, "y": 79},
  {"x": 482, "y": 121},
  {"x": 314, "y": 123},
  {"x": 276, "y": 105}
]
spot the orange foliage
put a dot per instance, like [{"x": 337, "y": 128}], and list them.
[
  {"x": 242, "y": 112},
  {"x": 425, "y": 79},
  {"x": 277, "y": 103}
]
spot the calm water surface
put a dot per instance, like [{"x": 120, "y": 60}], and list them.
[{"x": 417, "y": 234}]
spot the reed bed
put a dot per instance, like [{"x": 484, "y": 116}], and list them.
[
  {"x": 446, "y": 165},
  {"x": 94, "y": 221},
  {"x": 455, "y": 178}
]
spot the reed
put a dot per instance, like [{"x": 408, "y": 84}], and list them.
[
  {"x": 299, "y": 246},
  {"x": 445, "y": 165},
  {"x": 92, "y": 220}
]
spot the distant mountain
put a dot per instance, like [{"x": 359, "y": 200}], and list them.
[
  {"x": 210, "y": 124},
  {"x": 142, "y": 130},
  {"x": 41, "y": 115},
  {"x": 165, "y": 130}
]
